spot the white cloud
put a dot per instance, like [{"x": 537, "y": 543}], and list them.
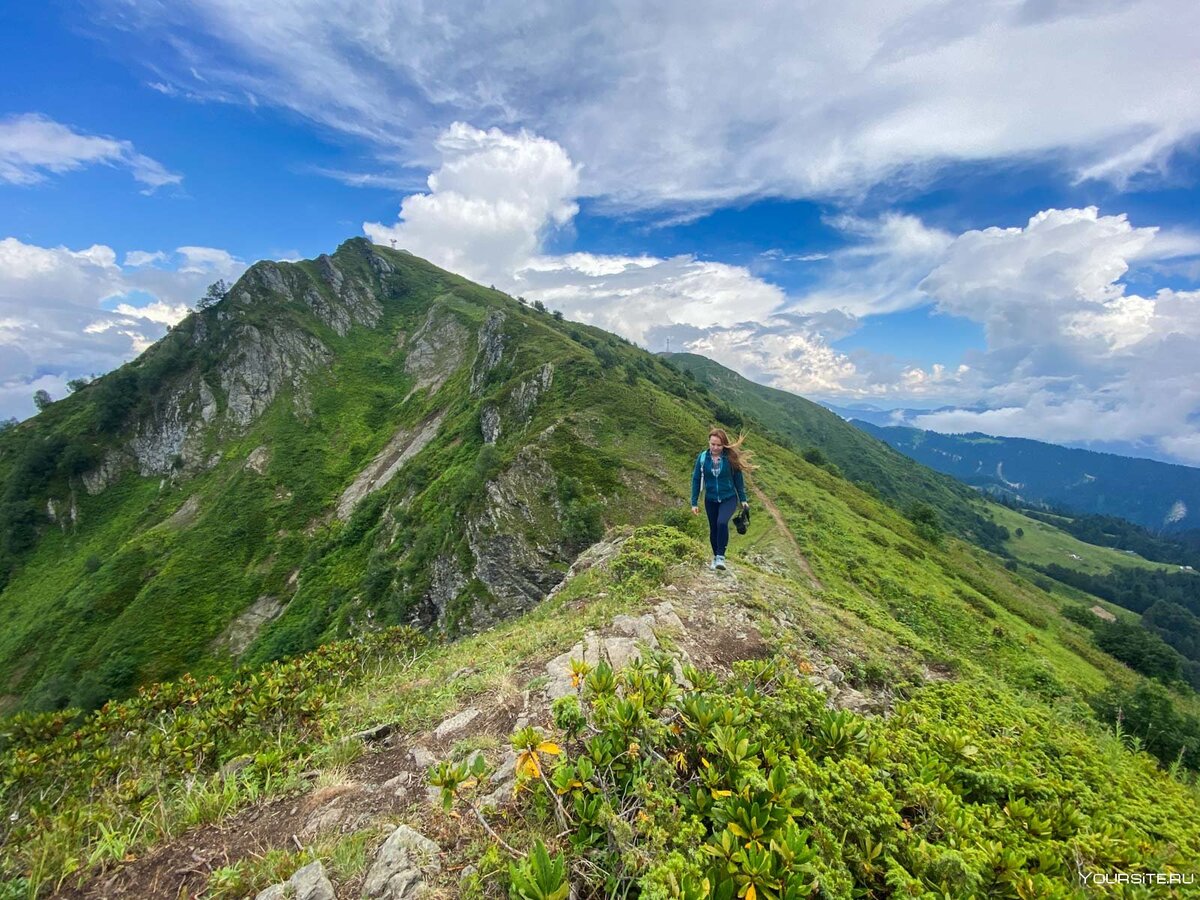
[
  {"x": 138, "y": 258},
  {"x": 33, "y": 146},
  {"x": 208, "y": 261},
  {"x": 496, "y": 196},
  {"x": 489, "y": 203},
  {"x": 67, "y": 313},
  {"x": 1071, "y": 353},
  {"x": 703, "y": 102},
  {"x": 879, "y": 273}
]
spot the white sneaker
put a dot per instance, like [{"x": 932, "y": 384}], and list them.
[
  {"x": 719, "y": 562},
  {"x": 713, "y": 564}
]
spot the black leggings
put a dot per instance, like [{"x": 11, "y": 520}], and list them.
[{"x": 719, "y": 515}]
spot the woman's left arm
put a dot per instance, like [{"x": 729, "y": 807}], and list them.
[{"x": 739, "y": 484}]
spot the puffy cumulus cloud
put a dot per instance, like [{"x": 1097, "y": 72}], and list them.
[
  {"x": 489, "y": 203},
  {"x": 793, "y": 353},
  {"x": 1072, "y": 355},
  {"x": 1061, "y": 261},
  {"x": 704, "y": 101},
  {"x": 33, "y": 146},
  {"x": 638, "y": 297},
  {"x": 67, "y": 313},
  {"x": 209, "y": 261},
  {"x": 495, "y": 197}
]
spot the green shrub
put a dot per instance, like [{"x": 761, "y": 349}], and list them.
[
  {"x": 753, "y": 788},
  {"x": 582, "y": 525}
]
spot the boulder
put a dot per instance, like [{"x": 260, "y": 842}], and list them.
[
  {"x": 308, "y": 883},
  {"x": 402, "y": 866},
  {"x": 456, "y": 724}
]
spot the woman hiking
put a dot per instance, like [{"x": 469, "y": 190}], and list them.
[{"x": 720, "y": 467}]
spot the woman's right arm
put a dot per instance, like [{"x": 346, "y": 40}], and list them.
[{"x": 696, "y": 482}]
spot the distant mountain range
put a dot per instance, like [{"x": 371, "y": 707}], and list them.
[
  {"x": 1159, "y": 496},
  {"x": 910, "y": 417}
]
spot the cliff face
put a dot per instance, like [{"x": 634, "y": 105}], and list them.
[{"x": 339, "y": 442}]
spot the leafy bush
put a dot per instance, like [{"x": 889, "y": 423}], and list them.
[
  {"x": 649, "y": 550},
  {"x": 141, "y": 761},
  {"x": 1139, "y": 649},
  {"x": 753, "y": 788},
  {"x": 1080, "y": 615},
  {"x": 1149, "y": 714},
  {"x": 926, "y": 520},
  {"x": 582, "y": 525}
]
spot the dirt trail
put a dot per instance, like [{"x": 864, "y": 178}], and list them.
[{"x": 787, "y": 533}]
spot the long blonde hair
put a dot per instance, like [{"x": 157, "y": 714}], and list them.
[{"x": 739, "y": 459}]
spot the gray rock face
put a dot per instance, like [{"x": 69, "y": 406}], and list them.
[
  {"x": 446, "y": 581},
  {"x": 402, "y": 866},
  {"x": 171, "y": 437},
  {"x": 504, "y": 779},
  {"x": 337, "y": 300},
  {"x": 404, "y": 445},
  {"x": 242, "y": 631},
  {"x": 422, "y": 758},
  {"x": 528, "y": 391},
  {"x": 186, "y": 514},
  {"x": 517, "y": 571},
  {"x": 115, "y": 464},
  {"x": 258, "y": 361},
  {"x": 257, "y": 460},
  {"x": 437, "y": 349},
  {"x": 456, "y": 724},
  {"x": 636, "y": 633},
  {"x": 491, "y": 349},
  {"x": 309, "y": 883},
  {"x": 261, "y": 362},
  {"x": 489, "y": 423}
]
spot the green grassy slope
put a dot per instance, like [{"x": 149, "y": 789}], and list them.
[
  {"x": 998, "y": 740},
  {"x": 145, "y": 583},
  {"x": 1042, "y": 544},
  {"x": 991, "y": 776}
]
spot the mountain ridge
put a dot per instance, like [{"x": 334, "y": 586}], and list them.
[
  {"x": 517, "y": 482},
  {"x": 1156, "y": 495},
  {"x": 353, "y": 436}
]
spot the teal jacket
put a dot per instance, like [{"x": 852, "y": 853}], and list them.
[{"x": 716, "y": 487}]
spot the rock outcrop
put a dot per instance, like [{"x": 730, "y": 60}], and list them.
[
  {"x": 436, "y": 350},
  {"x": 404, "y": 445},
  {"x": 308, "y": 883},
  {"x": 529, "y": 390},
  {"x": 402, "y": 867},
  {"x": 258, "y": 359},
  {"x": 242, "y": 631},
  {"x": 517, "y": 569},
  {"x": 335, "y": 299},
  {"x": 491, "y": 348},
  {"x": 260, "y": 362}
]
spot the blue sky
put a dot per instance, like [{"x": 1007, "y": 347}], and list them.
[{"x": 986, "y": 206}]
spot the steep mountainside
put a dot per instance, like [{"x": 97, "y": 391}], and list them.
[
  {"x": 361, "y": 437},
  {"x": 805, "y": 424},
  {"x": 861, "y": 707},
  {"x": 1156, "y": 495}
]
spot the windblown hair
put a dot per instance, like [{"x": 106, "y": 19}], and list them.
[{"x": 738, "y": 458}]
